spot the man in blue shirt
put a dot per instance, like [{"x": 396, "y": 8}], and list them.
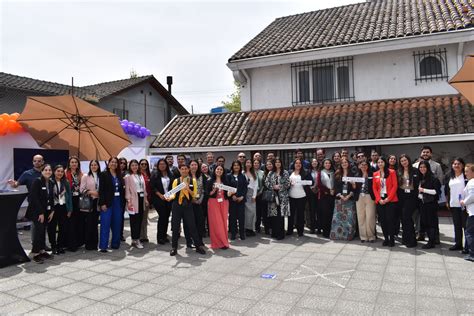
[
  {"x": 300, "y": 155},
  {"x": 30, "y": 175}
]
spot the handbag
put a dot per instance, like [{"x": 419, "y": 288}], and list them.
[
  {"x": 267, "y": 196},
  {"x": 85, "y": 203}
]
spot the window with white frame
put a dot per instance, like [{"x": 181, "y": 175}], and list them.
[
  {"x": 430, "y": 65},
  {"x": 121, "y": 113},
  {"x": 320, "y": 81}
]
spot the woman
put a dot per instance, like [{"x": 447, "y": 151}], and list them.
[
  {"x": 62, "y": 210},
  {"x": 454, "y": 194},
  {"x": 111, "y": 199},
  {"x": 237, "y": 200},
  {"x": 266, "y": 193},
  {"x": 218, "y": 210},
  {"x": 205, "y": 170},
  {"x": 136, "y": 200},
  {"x": 343, "y": 225},
  {"x": 77, "y": 220},
  {"x": 313, "y": 195},
  {"x": 365, "y": 205},
  {"x": 161, "y": 181},
  {"x": 428, "y": 194},
  {"x": 123, "y": 170},
  {"x": 195, "y": 173},
  {"x": 278, "y": 180},
  {"x": 407, "y": 198},
  {"x": 468, "y": 204},
  {"x": 260, "y": 209},
  {"x": 393, "y": 165},
  {"x": 326, "y": 197},
  {"x": 90, "y": 188},
  {"x": 336, "y": 158},
  {"x": 207, "y": 178},
  {"x": 251, "y": 198},
  {"x": 145, "y": 171},
  {"x": 40, "y": 212},
  {"x": 392, "y": 162},
  {"x": 385, "y": 186},
  {"x": 298, "y": 197},
  {"x": 182, "y": 209}
]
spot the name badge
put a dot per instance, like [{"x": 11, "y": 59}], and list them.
[
  {"x": 75, "y": 193},
  {"x": 344, "y": 191},
  {"x": 48, "y": 207},
  {"x": 117, "y": 194},
  {"x": 142, "y": 194},
  {"x": 43, "y": 188},
  {"x": 220, "y": 200},
  {"x": 407, "y": 190}
]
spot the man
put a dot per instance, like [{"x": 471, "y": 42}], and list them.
[
  {"x": 30, "y": 175},
  {"x": 241, "y": 157},
  {"x": 360, "y": 156},
  {"x": 320, "y": 156},
  {"x": 374, "y": 157},
  {"x": 299, "y": 155},
  {"x": 181, "y": 158},
  {"x": 170, "y": 161},
  {"x": 210, "y": 162},
  {"x": 220, "y": 161},
  {"x": 271, "y": 156}
]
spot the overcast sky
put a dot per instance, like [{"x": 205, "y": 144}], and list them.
[{"x": 97, "y": 41}]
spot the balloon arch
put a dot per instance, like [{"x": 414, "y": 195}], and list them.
[{"x": 136, "y": 129}]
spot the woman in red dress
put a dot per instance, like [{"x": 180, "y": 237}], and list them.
[{"x": 218, "y": 210}]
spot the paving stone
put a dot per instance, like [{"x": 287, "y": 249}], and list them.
[
  {"x": 435, "y": 303},
  {"x": 263, "y": 308},
  {"x": 249, "y": 293},
  {"x": 174, "y": 294},
  {"x": 11, "y": 284},
  {"x": 317, "y": 303},
  {"x": 390, "y": 299},
  {"x": 123, "y": 284},
  {"x": 220, "y": 288},
  {"x": 275, "y": 297},
  {"x": 45, "y": 310},
  {"x": 99, "y": 293},
  {"x": 18, "y": 307},
  {"x": 203, "y": 299},
  {"x": 147, "y": 289},
  {"x": 7, "y": 299},
  {"x": 235, "y": 305},
  {"x": 49, "y": 297},
  {"x": 76, "y": 287},
  {"x": 464, "y": 306},
  {"x": 393, "y": 310},
  {"x": 353, "y": 308},
  {"x": 27, "y": 291},
  {"x": 293, "y": 287},
  {"x": 365, "y": 296},
  {"x": 193, "y": 284},
  {"x": 398, "y": 288},
  {"x": 125, "y": 299},
  {"x": 184, "y": 309},
  {"x": 325, "y": 291},
  {"x": 101, "y": 279},
  {"x": 99, "y": 308},
  {"x": 72, "y": 304},
  {"x": 152, "y": 305},
  {"x": 306, "y": 311},
  {"x": 55, "y": 282},
  {"x": 434, "y": 291}
]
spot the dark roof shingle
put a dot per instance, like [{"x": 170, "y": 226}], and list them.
[
  {"x": 362, "y": 22},
  {"x": 428, "y": 116}
]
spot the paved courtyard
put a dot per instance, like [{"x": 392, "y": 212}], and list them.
[{"x": 311, "y": 276}]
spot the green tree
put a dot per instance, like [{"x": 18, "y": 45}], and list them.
[
  {"x": 233, "y": 105},
  {"x": 133, "y": 74}
]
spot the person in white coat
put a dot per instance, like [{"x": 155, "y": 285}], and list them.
[{"x": 468, "y": 203}]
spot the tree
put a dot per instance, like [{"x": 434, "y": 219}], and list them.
[
  {"x": 133, "y": 74},
  {"x": 233, "y": 105}
]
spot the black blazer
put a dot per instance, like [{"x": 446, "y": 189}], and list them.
[
  {"x": 358, "y": 188},
  {"x": 40, "y": 199},
  {"x": 339, "y": 186},
  {"x": 431, "y": 183},
  {"x": 415, "y": 179},
  {"x": 240, "y": 184},
  {"x": 209, "y": 187},
  {"x": 157, "y": 186},
  {"x": 107, "y": 189}
]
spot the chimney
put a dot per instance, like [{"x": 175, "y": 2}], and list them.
[{"x": 169, "y": 81}]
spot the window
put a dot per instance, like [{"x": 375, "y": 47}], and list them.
[
  {"x": 430, "y": 65},
  {"x": 321, "y": 81},
  {"x": 122, "y": 114}
]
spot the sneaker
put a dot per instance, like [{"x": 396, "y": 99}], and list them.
[
  {"x": 37, "y": 259},
  {"x": 139, "y": 245},
  {"x": 469, "y": 258}
]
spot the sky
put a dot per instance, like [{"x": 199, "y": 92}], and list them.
[{"x": 98, "y": 41}]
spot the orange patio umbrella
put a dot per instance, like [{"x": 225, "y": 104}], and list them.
[
  {"x": 463, "y": 81},
  {"x": 67, "y": 122}
]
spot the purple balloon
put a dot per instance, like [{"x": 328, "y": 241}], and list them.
[
  {"x": 132, "y": 124},
  {"x": 136, "y": 129},
  {"x": 141, "y": 134},
  {"x": 123, "y": 125},
  {"x": 148, "y": 132},
  {"x": 125, "y": 122},
  {"x": 139, "y": 125},
  {"x": 143, "y": 129}
]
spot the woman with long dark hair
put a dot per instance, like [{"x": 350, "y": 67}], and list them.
[
  {"x": 218, "y": 210},
  {"x": 260, "y": 209},
  {"x": 237, "y": 200},
  {"x": 385, "y": 186},
  {"x": 136, "y": 198},
  {"x": 344, "y": 221},
  {"x": 269, "y": 167},
  {"x": 298, "y": 194},
  {"x": 90, "y": 188},
  {"x": 278, "y": 180},
  {"x": 364, "y": 197},
  {"x": 111, "y": 199},
  {"x": 313, "y": 195},
  {"x": 251, "y": 197},
  {"x": 195, "y": 173},
  {"x": 77, "y": 220},
  {"x": 145, "y": 171},
  {"x": 161, "y": 181},
  {"x": 40, "y": 212},
  {"x": 428, "y": 193},
  {"x": 454, "y": 189},
  {"x": 326, "y": 197},
  {"x": 62, "y": 209},
  {"x": 408, "y": 180},
  {"x": 123, "y": 170}
]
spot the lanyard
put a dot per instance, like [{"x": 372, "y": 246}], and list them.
[
  {"x": 59, "y": 189},
  {"x": 116, "y": 184},
  {"x": 140, "y": 182}
]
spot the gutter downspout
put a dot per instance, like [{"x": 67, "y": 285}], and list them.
[
  {"x": 249, "y": 82},
  {"x": 460, "y": 55}
]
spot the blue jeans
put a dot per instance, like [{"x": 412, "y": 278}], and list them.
[
  {"x": 469, "y": 232},
  {"x": 111, "y": 219}
]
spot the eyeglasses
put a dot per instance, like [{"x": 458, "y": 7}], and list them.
[
  {"x": 241, "y": 156},
  {"x": 37, "y": 160},
  {"x": 123, "y": 163},
  {"x": 143, "y": 164}
]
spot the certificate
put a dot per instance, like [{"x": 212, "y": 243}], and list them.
[
  {"x": 175, "y": 190},
  {"x": 353, "y": 179},
  {"x": 224, "y": 187},
  {"x": 304, "y": 182}
]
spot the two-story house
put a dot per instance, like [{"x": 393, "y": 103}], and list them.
[
  {"x": 367, "y": 75},
  {"x": 142, "y": 100}
]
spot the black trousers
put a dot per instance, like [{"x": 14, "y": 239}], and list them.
[
  {"x": 91, "y": 234},
  {"x": 185, "y": 213},
  {"x": 429, "y": 219},
  {"x": 198, "y": 222},
  {"x": 278, "y": 225},
  {"x": 296, "y": 218},
  {"x": 204, "y": 214},
  {"x": 58, "y": 224},
  {"x": 261, "y": 212},
  {"x": 408, "y": 205},
  {"x": 77, "y": 225},
  {"x": 164, "y": 211},
  {"x": 237, "y": 213},
  {"x": 313, "y": 205},
  {"x": 326, "y": 205},
  {"x": 387, "y": 218},
  {"x": 459, "y": 221},
  {"x": 398, "y": 217},
  {"x": 38, "y": 235},
  {"x": 136, "y": 219}
]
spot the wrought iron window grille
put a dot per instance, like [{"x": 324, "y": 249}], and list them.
[{"x": 430, "y": 65}]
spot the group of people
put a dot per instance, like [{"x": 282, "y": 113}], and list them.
[{"x": 339, "y": 198}]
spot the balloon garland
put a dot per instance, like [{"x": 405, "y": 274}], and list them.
[
  {"x": 8, "y": 124},
  {"x": 136, "y": 129}
]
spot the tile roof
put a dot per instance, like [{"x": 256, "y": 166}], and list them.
[
  {"x": 428, "y": 116},
  {"x": 362, "y": 22},
  {"x": 107, "y": 88}
]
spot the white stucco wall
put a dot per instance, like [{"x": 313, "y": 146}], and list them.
[{"x": 381, "y": 75}]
